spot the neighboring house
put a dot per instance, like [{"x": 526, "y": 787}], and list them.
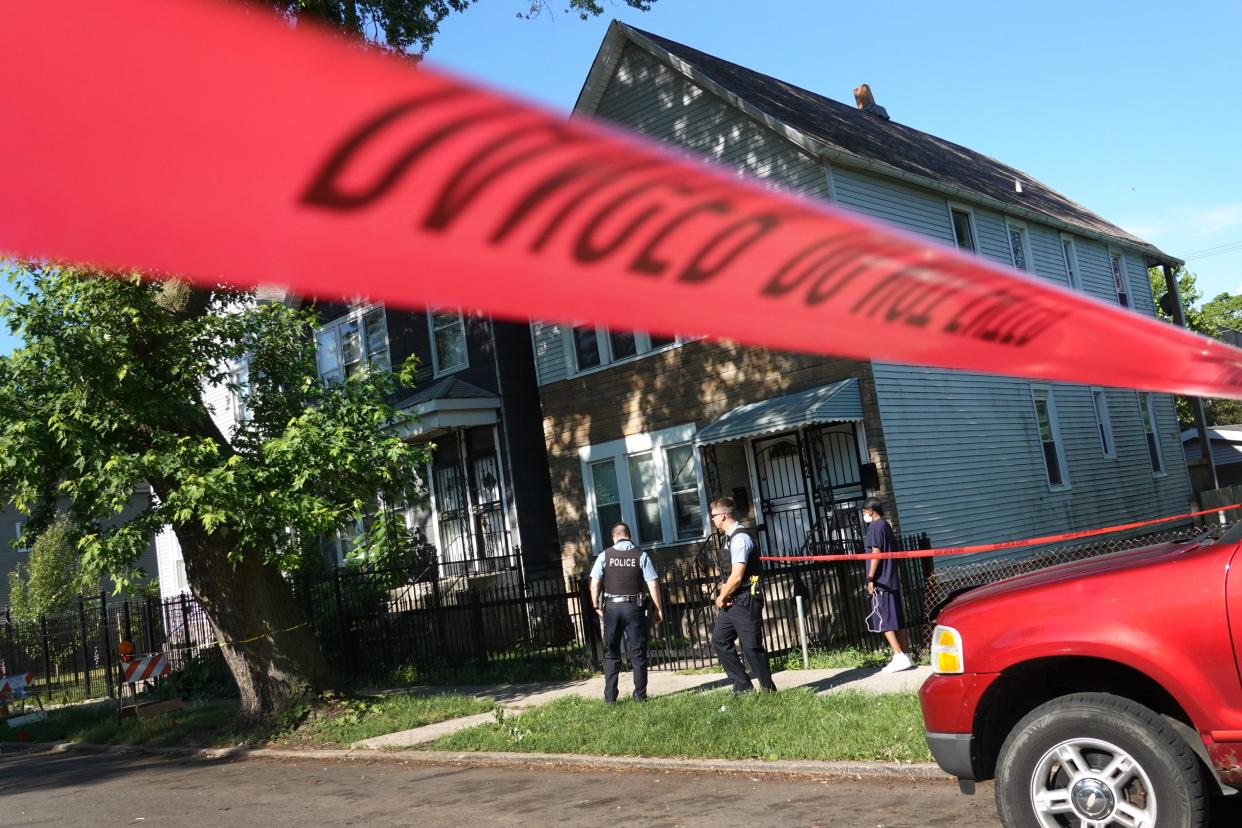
[
  {"x": 1226, "y": 443},
  {"x": 13, "y": 551},
  {"x": 475, "y": 396},
  {"x": 489, "y": 510},
  {"x": 650, "y": 430}
]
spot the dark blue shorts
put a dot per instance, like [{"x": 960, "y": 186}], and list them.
[{"x": 885, "y": 609}]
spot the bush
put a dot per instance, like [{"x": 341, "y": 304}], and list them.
[{"x": 203, "y": 676}]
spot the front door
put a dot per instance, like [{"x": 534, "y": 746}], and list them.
[{"x": 782, "y": 495}]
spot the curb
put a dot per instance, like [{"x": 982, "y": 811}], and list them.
[{"x": 781, "y": 767}]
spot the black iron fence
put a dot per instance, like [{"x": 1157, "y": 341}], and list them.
[{"x": 377, "y": 625}]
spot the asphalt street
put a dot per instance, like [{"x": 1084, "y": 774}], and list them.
[
  {"x": 69, "y": 789},
  {"x": 115, "y": 789}
]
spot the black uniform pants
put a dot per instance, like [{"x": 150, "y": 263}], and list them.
[
  {"x": 743, "y": 620},
  {"x": 624, "y": 618}
]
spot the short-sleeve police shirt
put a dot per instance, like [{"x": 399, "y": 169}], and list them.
[{"x": 740, "y": 546}]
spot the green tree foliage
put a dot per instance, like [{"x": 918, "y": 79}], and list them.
[
  {"x": 107, "y": 393},
  {"x": 51, "y": 578},
  {"x": 1211, "y": 318},
  {"x": 410, "y": 26}
]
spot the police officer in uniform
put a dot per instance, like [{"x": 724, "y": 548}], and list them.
[
  {"x": 619, "y": 574},
  {"x": 740, "y": 603}
]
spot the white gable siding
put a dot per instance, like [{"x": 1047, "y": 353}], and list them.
[
  {"x": 903, "y": 206},
  {"x": 648, "y": 97}
]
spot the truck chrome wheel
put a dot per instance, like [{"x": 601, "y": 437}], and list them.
[
  {"x": 1093, "y": 784},
  {"x": 1097, "y": 760}
]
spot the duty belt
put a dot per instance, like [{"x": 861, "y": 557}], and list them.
[{"x": 620, "y": 599}]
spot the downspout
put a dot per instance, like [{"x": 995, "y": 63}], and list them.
[
  {"x": 502, "y": 427},
  {"x": 1205, "y": 446}
]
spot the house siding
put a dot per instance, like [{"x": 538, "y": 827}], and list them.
[
  {"x": 647, "y": 97},
  {"x": 935, "y": 421},
  {"x": 11, "y": 557}
]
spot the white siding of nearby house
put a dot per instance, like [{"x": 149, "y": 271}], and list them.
[
  {"x": 937, "y": 423},
  {"x": 650, "y": 98}
]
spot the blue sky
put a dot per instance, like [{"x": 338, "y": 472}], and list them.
[{"x": 1132, "y": 112}]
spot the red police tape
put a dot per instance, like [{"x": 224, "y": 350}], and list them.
[
  {"x": 201, "y": 139},
  {"x": 996, "y": 547}
]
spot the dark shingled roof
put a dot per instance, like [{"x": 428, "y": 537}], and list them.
[
  {"x": 868, "y": 136},
  {"x": 450, "y": 388}
]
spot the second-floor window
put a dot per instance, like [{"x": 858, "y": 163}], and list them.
[
  {"x": 345, "y": 345},
  {"x": 448, "y": 340},
  {"x": 1069, "y": 252},
  {"x": 239, "y": 391},
  {"x": 18, "y": 528},
  {"x": 964, "y": 229},
  {"x": 1147, "y": 412},
  {"x": 1019, "y": 248},
  {"x": 594, "y": 346},
  {"x": 1118, "y": 268}
]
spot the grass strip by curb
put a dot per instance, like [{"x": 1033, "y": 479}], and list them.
[
  {"x": 793, "y": 724},
  {"x": 335, "y": 723}
]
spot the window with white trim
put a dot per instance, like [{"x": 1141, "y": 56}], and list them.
[
  {"x": 1050, "y": 437},
  {"x": 1069, "y": 253},
  {"x": 607, "y": 495},
  {"x": 649, "y": 481},
  {"x": 1147, "y": 412},
  {"x": 1104, "y": 425},
  {"x": 683, "y": 482},
  {"x": 964, "y": 228},
  {"x": 1117, "y": 266},
  {"x": 645, "y": 489},
  {"x": 448, "y": 341},
  {"x": 1019, "y": 245},
  {"x": 594, "y": 346},
  {"x": 18, "y": 527},
  {"x": 345, "y": 345},
  {"x": 238, "y": 383}
]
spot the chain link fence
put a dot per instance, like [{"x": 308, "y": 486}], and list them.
[{"x": 944, "y": 583}]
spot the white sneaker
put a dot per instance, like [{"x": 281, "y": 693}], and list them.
[{"x": 901, "y": 661}]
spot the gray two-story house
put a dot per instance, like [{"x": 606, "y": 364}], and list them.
[{"x": 648, "y": 430}]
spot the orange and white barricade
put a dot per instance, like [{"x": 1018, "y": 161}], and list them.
[
  {"x": 17, "y": 686},
  {"x": 134, "y": 671}
]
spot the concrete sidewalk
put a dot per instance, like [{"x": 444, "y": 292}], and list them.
[{"x": 515, "y": 698}]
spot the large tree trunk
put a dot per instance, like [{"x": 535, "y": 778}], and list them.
[{"x": 267, "y": 641}]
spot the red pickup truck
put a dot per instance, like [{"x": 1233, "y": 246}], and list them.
[{"x": 1100, "y": 693}]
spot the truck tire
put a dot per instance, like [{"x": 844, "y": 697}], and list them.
[{"x": 1099, "y": 760}]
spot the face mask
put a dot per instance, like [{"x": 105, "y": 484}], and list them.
[{"x": 868, "y": 517}]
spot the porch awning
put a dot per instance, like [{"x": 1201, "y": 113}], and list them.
[
  {"x": 448, "y": 404},
  {"x": 838, "y": 402}
]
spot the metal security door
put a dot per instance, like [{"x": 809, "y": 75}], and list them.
[
  {"x": 782, "y": 495},
  {"x": 489, "y": 512},
  {"x": 453, "y": 509},
  {"x": 838, "y": 490}
]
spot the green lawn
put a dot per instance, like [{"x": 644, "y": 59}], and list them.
[
  {"x": 333, "y": 723},
  {"x": 202, "y": 725},
  {"x": 792, "y": 724}
]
